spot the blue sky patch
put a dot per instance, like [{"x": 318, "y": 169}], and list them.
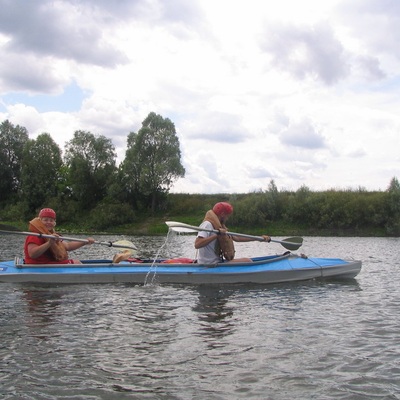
[{"x": 69, "y": 101}]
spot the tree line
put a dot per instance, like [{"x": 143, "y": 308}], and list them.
[
  {"x": 332, "y": 212},
  {"x": 87, "y": 189},
  {"x": 84, "y": 182}
]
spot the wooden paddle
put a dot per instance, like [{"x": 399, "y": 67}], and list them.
[
  {"x": 292, "y": 243},
  {"x": 124, "y": 244}
]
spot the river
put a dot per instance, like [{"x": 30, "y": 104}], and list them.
[{"x": 306, "y": 340}]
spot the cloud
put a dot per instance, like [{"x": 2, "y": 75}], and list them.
[
  {"x": 221, "y": 128},
  {"x": 375, "y": 23},
  {"x": 26, "y": 73},
  {"x": 357, "y": 153},
  {"x": 302, "y": 134},
  {"x": 27, "y": 117},
  {"x": 259, "y": 173},
  {"x": 58, "y": 29},
  {"x": 307, "y": 52},
  {"x": 369, "y": 67}
]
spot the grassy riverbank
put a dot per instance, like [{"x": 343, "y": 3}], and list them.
[
  {"x": 273, "y": 212},
  {"x": 153, "y": 226},
  {"x": 157, "y": 226}
]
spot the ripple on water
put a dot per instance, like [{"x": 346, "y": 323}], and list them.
[{"x": 307, "y": 340}]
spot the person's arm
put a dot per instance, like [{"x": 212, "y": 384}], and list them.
[
  {"x": 70, "y": 246},
  {"x": 35, "y": 250},
  {"x": 245, "y": 239},
  {"x": 204, "y": 241}
]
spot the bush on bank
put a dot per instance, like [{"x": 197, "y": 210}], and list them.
[{"x": 332, "y": 212}]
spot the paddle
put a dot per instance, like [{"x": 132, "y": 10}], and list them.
[
  {"x": 124, "y": 244},
  {"x": 292, "y": 243}
]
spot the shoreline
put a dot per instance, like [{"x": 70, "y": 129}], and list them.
[{"x": 157, "y": 227}]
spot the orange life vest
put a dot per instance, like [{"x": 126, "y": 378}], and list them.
[
  {"x": 57, "y": 249},
  {"x": 225, "y": 246}
]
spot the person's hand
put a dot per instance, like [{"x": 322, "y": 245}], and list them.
[
  {"x": 90, "y": 240},
  {"x": 222, "y": 231},
  {"x": 57, "y": 238},
  {"x": 266, "y": 238}
]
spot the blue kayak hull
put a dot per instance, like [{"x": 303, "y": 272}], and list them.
[{"x": 263, "y": 270}]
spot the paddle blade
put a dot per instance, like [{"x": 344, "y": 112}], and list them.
[
  {"x": 292, "y": 243},
  {"x": 125, "y": 255},
  {"x": 174, "y": 224},
  {"x": 126, "y": 245},
  {"x": 181, "y": 229}
]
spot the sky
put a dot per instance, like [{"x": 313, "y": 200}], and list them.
[{"x": 304, "y": 93}]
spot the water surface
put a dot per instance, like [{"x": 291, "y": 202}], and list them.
[{"x": 307, "y": 340}]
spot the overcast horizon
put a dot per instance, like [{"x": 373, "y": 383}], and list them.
[{"x": 304, "y": 93}]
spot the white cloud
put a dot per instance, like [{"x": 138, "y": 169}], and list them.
[
  {"x": 304, "y": 93},
  {"x": 302, "y": 134},
  {"x": 307, "y": 51}
]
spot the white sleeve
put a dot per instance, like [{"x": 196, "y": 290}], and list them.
[{"x": 206, "y": 225}]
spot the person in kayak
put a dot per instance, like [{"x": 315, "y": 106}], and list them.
[
  {"x": 214, "y": 248},
  {"x": 38, "y": 250}
]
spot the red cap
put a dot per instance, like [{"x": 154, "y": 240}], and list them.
[
  {"x": 223, "y": 207},
  {"x": 47, "y": 212}
]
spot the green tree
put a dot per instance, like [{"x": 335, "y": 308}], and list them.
[
  {"x": 393, "y": 224},
  {"x": 40, "y": 174},
  {"x": 12, "y": 141},
  {"x": 91, "y": 163},
  {"x": 300, "y": 208},
  {"x": 153, "y": 161},
  {"x": 271, "y": 207}
]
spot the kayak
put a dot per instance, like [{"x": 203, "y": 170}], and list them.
[{"x": 287, "y": 267}]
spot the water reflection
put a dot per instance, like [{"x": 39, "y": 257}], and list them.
[
  {"x": 213, "y": 303},
  {"x": 218, "y": 307},
  {"x": 214, "y": 314},
  {"x": 43, "y": 306}
]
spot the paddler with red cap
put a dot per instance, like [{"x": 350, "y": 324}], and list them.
[
  {"x": 214, "y": 248},
  {"x": 39, "y": 250}
]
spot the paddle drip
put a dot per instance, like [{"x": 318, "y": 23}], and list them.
[{"x": 153, "y": 266}]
